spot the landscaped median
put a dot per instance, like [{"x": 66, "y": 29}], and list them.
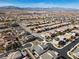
[{"x": 74, "y": 52}]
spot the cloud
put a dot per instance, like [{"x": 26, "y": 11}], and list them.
[
  {"x": 44, "y": 5},
  {"x": 41, "y": 3},
  {"x": 48, "y": 5},
  {"x": 5, "y": 4}
]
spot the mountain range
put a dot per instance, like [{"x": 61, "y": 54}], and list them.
[{"x": 53, "y": 9}]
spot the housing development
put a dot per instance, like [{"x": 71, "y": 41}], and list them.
[{"x": 39, "y": 33}]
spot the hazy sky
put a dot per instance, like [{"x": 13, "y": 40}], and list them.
[{"x": 41, "y": 3}]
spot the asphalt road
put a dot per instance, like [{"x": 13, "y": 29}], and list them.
[{"x": 63, "y": 51}]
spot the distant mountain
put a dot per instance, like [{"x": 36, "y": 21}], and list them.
[
  {"x": 53, "y": 9},
  {"x": 10, "y": 7}
]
